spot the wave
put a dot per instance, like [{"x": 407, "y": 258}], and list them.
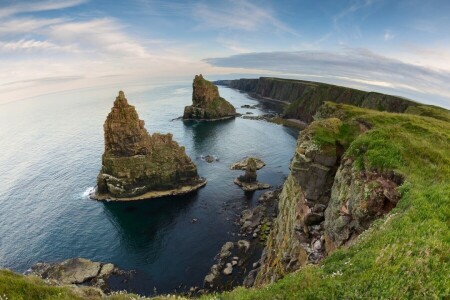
[{"x": 87, "y": 192}]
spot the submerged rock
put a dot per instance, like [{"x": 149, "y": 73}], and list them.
[
  {"x": 209, "y": 158},
  {"x": 137, "y": 165},
  {"x": 207, "y": 103}
]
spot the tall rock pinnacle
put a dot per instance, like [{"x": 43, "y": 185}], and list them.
[
  {"x": 137, "y": 165},
  {"x": 207, "y": 103}
]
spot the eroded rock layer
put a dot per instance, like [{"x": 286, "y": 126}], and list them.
[
  {"x": 137, "y": 165},
  {"x": 207, "y": 103}
]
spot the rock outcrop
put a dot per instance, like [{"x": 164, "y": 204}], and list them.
[
  {"x": 79, "y": 272},
  {"x": 305, "y": 97},
  {"x": 326, "y": 202},
  {"x": 137, "y": 165},
  {"x": 357, "y": 199},
  {"x": 250, "y": 172},
  {"x": 73, "y": 271},
  {"x": 248, "y": 181},
  {"x": 242, "y": 164},
  {"x": 207, "y": 103}
]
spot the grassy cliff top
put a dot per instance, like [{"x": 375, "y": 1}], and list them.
[{"x": 405, "y": 254}]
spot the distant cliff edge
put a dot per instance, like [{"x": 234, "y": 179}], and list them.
[{"x": 305, "y": 97}]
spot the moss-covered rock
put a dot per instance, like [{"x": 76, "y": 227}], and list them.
[
  {"x": 136, "y": 163},
  {"x": 207, "y": 103}
]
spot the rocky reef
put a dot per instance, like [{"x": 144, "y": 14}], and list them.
[
  {"x": 207, "y": 103},
  {"x": 137, "y": 165},
  {"x": 304, "y": 98}
]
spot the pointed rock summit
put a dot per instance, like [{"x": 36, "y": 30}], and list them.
[
  {"x": 137, "y": 165},
  {"x": 207, "y": 103}
]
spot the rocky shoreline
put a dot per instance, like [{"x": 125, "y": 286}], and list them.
[
  {"x": 80, "y": 272},
  {"x": 183, "y": 190},
  {"x": 238, "y": 262}
]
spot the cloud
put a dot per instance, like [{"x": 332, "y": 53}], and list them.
[
  {"x": 354, "y": 7},
  {"x": 29, "y": 45},
  {"x": 38, "y": 6},
  {"x": 388, "y": 35},
  {"x": 239, "y": 15},
  {"x": 359, "y": 68},
  {"x": 26, "y": 25},
  {"x": 97, "y": 36}
]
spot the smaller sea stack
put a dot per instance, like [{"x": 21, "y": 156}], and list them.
[
  {"x": 248, "y": 181},
  {"x": 137, "y": 165},
  {"x": 207, "y": 103},
  {"x": 250, "y": 172}
]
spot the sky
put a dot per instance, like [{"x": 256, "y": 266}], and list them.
[{"x": 398, "y": 47}]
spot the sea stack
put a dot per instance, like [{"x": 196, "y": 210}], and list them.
[
  {"x": 248, "y": 181},
  {"x": 207, "y": 103},
  {"x": 137, "y": 165},
  {"x": 250, "y": 172}
]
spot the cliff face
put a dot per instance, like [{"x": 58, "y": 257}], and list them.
[
  {"x": 326, "y": 201},
  {"x": 207, "y": 103},
  {"x": 135, "y": 163},
  {"x": 304, "y": 97}
]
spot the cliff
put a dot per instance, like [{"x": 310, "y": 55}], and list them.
[
  {"x": 363, "y": 211},
  {"x": 207, "y": 103},
  {"x": 305, "y": 97},
  {"x": 137, "y": 165}
]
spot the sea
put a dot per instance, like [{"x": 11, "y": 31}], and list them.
[{"x": 51, "y": 148}]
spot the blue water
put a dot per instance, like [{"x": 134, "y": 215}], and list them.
[{"x": 50, "y": 155}]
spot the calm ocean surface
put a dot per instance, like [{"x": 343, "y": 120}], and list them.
[{"x": 50, "y": 156}]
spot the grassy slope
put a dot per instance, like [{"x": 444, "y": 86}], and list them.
[
  {"x": 406, "y": 253},
  {"x": 15, "y": 286}
]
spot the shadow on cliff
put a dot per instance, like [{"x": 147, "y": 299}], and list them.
[{"x": 140, "y": 222}]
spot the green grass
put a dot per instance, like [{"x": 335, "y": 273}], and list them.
[
  {"x": 404, "y": 255},
  {"x": 19, "y": 287},
  {"x": 14, "y": 286}
]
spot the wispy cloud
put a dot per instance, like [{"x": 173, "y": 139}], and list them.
[
  {"x": 354, "y": 7},
  {"x": 30, "y": 45},
  {"x": 388, "y": 35},
  {"x": 97, "y": 36},
  {"x": 358, "y": 68},
  {"x": 239, "y": 15},
  {"x": 26, "y": 25},
  {"x": 37, "y": 6}
]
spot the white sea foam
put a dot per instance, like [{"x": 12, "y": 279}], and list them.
[{"x": 88, "y": 191}]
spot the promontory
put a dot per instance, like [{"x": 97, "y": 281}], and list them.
[
  {"x": 207, "y": 103},
  {"x": 137, "y": 165}
]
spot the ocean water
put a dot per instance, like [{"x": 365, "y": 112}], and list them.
[{"x": 50, "y": 155}]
